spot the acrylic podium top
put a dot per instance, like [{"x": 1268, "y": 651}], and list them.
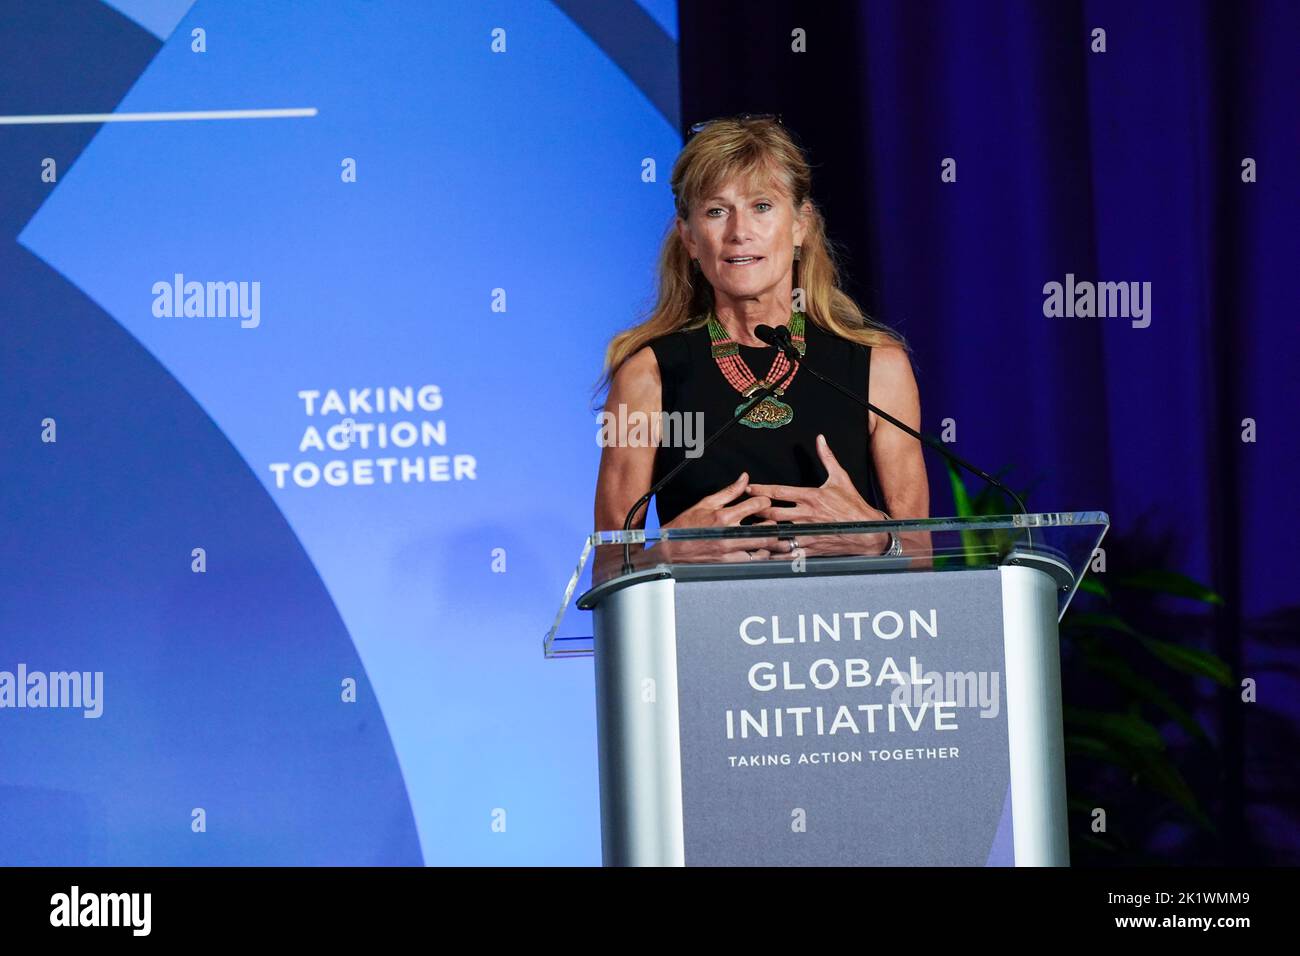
[{"x": 1061, "y": 544}]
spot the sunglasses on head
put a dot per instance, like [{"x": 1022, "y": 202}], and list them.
[{"x": 696, "y": 127}]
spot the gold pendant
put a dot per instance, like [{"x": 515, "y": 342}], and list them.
[{"x": 771, "y": 412}]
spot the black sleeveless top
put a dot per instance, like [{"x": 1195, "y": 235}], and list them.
[{"x": 693, "y": 382}]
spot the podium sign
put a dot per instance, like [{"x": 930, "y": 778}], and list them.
[
  {"x": 807, "y": 709},
  {"x": 840, "y": 710}
]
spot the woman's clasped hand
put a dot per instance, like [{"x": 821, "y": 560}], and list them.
[
  {"x": 835, "y": 500},
  {"x": 721, "y": 509}
]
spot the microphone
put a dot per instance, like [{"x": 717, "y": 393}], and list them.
[
  {"x": 780, "y": 337},
  {"x": 658, "y": 486}
]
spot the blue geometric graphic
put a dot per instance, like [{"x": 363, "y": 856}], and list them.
[{"x": 489, "y": 143}]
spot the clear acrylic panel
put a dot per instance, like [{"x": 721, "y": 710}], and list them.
[{"x": 1059, "y": 543}]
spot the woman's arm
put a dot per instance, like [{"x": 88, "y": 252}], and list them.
[
  {"x": 897, "y": 456},
  {"x": 626, "y": 473}
]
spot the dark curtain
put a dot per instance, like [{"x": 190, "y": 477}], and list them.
[{"x": 1117, "y": 166}]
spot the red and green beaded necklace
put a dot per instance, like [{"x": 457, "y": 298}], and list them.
[{"x": 771, "y": 412}]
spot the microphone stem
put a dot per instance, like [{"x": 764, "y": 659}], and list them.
[
  {"x": 925, "y": 439},
  {"x": 792, "y": 354}
]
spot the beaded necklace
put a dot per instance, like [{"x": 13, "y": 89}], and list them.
[{"x": 771, "y": 412}]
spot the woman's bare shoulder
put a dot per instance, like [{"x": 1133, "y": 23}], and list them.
[
  {"x": 641, "y": 362},
  {"x": 891, "y": 367},
  {"x": 637, "y": 383}
]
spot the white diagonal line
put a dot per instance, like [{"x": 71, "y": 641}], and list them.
[{"x": 36, "y": 119}]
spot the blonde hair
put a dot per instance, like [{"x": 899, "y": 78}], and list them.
[{"x": 754, "y": 151}]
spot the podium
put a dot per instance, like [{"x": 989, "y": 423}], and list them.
[{"x": 835, "y": 705}]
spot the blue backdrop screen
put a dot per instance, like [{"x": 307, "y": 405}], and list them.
[{"x": 319, "y": 384}]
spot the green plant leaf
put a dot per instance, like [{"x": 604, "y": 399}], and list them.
[
  {"x": 1150, "y": 769},
  {"x": 1170, "y": 582},
  {"x": 991, "y": 500},
  {"x": 1082, "y": 803},
  {"x": 1088, "y": 620},
  {"x": 1163, "y": 777},
  {"x": 1093, "y": 586},
  {"x": 1096, "y": 842},
  {"x": 1189, "y": 660},
  {"x": 1119, "y": 671},
  {"x": 1128, "y": 729},
  {"x": 1092, "y": 747},
  {"x": 961, "y": 500},
  {"x": 960, "y": 497}
]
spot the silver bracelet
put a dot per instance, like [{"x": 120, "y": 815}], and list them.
[{"x": 895, "y": 545}]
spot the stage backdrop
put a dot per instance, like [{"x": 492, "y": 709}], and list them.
[
  {"x": 298, "y": 447},
  {"x": 969, "y": 156}
]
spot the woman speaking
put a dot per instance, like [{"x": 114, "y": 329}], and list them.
[{"x": 748, "y": 248}]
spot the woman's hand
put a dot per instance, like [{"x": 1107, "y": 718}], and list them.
[
  {"x": 716, "y": 510},
  {"x": 835, "y": 500}
]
